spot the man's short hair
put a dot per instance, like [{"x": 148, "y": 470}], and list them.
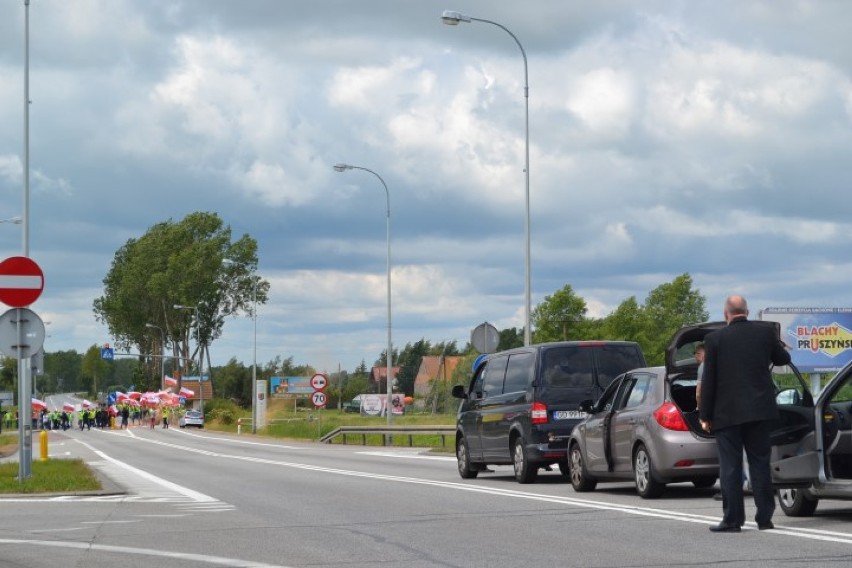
[
  {"x": 736, "y": 306},
  {"x": 699, "y": 346}
]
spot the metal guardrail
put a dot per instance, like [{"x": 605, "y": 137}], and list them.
[{"x": 390, "y": 431}]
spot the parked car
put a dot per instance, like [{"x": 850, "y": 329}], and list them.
[
  {"x": 645, "y": 427},
  {"x": 520, "y": 405},
  {"x": 191, "y": 418},
  {"x": 812, "y": 446}
]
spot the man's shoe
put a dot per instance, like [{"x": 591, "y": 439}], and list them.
[
  {"x": 765, "y": 526},
  {"x": 722, "y": 527},
  {"x": 717, "y": 496}
]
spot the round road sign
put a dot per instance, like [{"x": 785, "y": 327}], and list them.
[
  {"x": 319, "y": 399},
  {"x": 21, "y": 281},
  {"x": 319, "y": 382}
]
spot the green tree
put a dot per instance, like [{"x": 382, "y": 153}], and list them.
[
  {"x": 667, "y": 308},
  {"x": 94, "y": 370},
  {"x": 179, "y": 264},
  {"x": 560, "y": 317},
  {"x": 510, "y": 338}
]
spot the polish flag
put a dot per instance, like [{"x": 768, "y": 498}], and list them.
[
  {"x": 186, "y": 393},
  {"x": 170, "y": 382}
]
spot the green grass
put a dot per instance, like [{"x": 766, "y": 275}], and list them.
[
  {"x": 51, "y": 476},
  {"x": 311, "y": 425}
]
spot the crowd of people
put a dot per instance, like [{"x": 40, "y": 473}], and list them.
[{"x": 117, "y": 416}]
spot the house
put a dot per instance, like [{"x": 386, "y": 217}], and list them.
[
  {"x": 433, "y": 367},
  {"x": 206, "y": 394},
  {"x": 377, "y": 378}
]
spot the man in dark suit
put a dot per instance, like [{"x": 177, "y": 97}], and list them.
[{"x": 738, "y": 405}]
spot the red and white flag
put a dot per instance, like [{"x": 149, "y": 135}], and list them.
[
  {"x": 170, "y": 382},
  {"x": 68, "y": 407},
  {"x": 185, "y": 392}
]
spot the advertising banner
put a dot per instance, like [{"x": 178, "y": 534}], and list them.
[
  {"x": 820, "y": 339},
  {"x": 290, "y": 385}
]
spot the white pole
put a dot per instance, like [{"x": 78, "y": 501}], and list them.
[{"x": 254, "y": 365}]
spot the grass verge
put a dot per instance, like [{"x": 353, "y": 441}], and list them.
[{"x": 51, "y": 476}]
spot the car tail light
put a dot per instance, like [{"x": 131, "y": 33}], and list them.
[
  {"x": 539, "y": 413},
  {"x": 684, "y": 463},
  {"x": 669, "y": 417}
]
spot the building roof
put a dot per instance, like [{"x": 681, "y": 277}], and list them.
[
  {"x": 434, "y": 367},
  {"x": 378, "y": 374}
]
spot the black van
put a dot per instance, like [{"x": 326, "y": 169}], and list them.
[{"x": 521, "y": 404}]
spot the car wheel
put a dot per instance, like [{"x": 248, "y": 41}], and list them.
[
  {"x": 580, "y": 480},
  {"x": 795, "y": 503},
  {"x": 525, "y": 472},
  {"x": 466, "y": 470},
  {"x": 704, "y": 482},
  {"x": 646, "y": 485}
]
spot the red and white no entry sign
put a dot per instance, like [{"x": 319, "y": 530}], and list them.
[{"x": 21, "y": 281}]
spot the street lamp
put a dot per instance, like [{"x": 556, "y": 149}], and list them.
[
  {"x": 162, "y": 353},
  {"x": 388, "y": 359},
  {"x": 228, "y": 261},
  {"x": 453, "y": 18},
  {"x": 200, "y": 352}
]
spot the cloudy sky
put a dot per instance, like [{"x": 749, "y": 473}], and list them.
[{"x": 709, "y": 137}]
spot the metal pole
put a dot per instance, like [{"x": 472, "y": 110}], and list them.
[
  {"x": 200, "y": 362},
  {"x": 389, "y": 358},
  {"x": 254, "y": 365},
  {"x": 24, "y": 387},
  {"x": 454, "y": 18}
]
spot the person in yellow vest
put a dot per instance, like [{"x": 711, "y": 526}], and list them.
[{"x": 165, "y": 417}]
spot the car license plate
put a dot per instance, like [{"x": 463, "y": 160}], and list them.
[{"x": 568, "y": 414}]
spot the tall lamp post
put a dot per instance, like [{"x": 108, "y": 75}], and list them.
[
  {"x": 200, "y": 352},
  {"x": 453, "y": 18},
  {"x": 389, "y": 358},
  {"x": 162, "y": 352},
  {"x": 229, "y": 262}
]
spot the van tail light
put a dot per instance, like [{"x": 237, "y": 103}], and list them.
[
  {"x": 669, "y": 417},
  {"x": 539, "y": 413}
]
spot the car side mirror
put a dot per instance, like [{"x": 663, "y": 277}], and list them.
[
  {"x": 458, "y": 392},
  {"x": 586, "y": 406}
]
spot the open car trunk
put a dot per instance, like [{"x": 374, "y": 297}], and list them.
[{"x": 682, "y": 391}]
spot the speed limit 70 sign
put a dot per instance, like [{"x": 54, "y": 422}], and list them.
[{"x": 319, "y": 399}]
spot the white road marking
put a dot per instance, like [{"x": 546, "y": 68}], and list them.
[
  {"x": 809, "y": 534},
  {"x": 407, "y": 455},
  {"x": 205, "y": 558}
]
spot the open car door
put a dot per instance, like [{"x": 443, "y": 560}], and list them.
[{"x": 797, "y": 441}]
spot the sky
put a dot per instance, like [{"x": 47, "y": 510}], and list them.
[{"x": 709, "y": 137}]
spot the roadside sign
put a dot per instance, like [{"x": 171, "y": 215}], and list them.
[
  {"x": 319, "y": 399},
  {"x": 31, "y": 339},
  {"x": 21, "y": 281},
  {"x": 107, "y": 354},
  {"x": 319, "y": 382}
]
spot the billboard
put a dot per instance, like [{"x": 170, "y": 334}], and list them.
[
  {"x": 290, "y": 385},
  {"x": 820, "y": 339}
]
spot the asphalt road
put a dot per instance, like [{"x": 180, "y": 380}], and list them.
[{"x": 199, "y": 498}]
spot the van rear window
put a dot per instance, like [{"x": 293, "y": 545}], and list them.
[
  {"x": 570, "y": 366},
  {"x": 614, "y": 360}
]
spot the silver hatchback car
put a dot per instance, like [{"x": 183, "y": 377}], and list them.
[{"x": 645, "y": 426}]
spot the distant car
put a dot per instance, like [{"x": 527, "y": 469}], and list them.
[
  {"x": 812, "y": 447},
  {"x": 191, "y": 418},
  {"x": 353, "y": 405},
  {"x": 645, "y": 426}
]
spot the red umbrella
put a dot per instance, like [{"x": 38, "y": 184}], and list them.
[{"x": 39, "y": 404}]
